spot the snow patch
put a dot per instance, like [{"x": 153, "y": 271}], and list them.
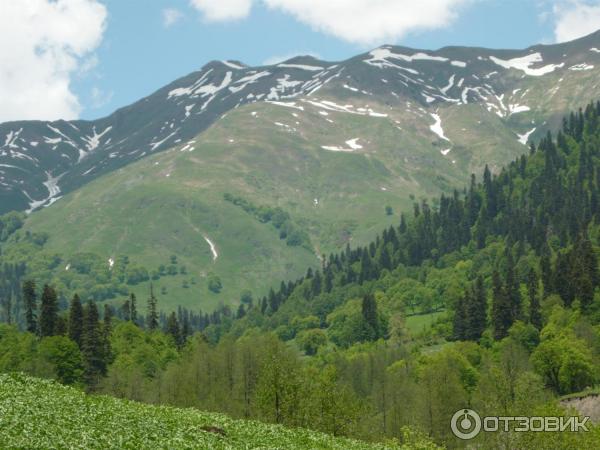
[
  {"x": 583, "y": 66},
  {"x": 213, "y": 248},
  {"x": 523, "y": 138},
  {"x": 301, "y": 67},
  {"x": 523, "y": 64},
  {"x": 437, "y": 127}
]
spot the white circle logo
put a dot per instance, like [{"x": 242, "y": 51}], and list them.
[{"x": 465, "y": 424}]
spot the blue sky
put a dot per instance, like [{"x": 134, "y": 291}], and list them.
[{"x": 122, "y": 50}]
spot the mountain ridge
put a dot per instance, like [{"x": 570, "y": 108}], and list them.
[{"x": 81, "y": 150}]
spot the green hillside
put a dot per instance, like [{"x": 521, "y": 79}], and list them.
[
  {"x": 37, "y": 413},
  {"x": 268, "y": 156}
]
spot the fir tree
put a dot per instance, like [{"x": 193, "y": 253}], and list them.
[
  {"x": 477, "y": 311},
  {"x": 502, "y": 311},
  {"x": 460, "y": 318},
  {"x": 30, "y": 302},
  {"x": 370, "y": 319},
  {"x": 535, "y": 316},
  {"x": 48, "y": 312},
  {"x": 133, "y": 308},
  {"x": 92, "y": 347},
  {"x": 173, "y": 330},
  {"x": 76, "y": 320},
  {"x": 152, "y": 319}
]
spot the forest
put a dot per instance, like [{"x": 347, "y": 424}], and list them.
[{"x": 486, "y": 298}]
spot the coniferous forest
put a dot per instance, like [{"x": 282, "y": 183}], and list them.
[{"x": 486, "y": 298}]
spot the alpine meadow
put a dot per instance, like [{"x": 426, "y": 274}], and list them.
[{"x": 305, "y": 254}]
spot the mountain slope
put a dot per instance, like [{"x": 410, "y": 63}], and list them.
[
  {"x": 41, "y": 160},
  {"x": 330, "y": 145},
  {"x": 42, "y": 414}
]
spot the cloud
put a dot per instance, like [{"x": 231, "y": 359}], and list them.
[
  {"x": 364, "y": 22},
  {"x": 574, "y": 19},
  {"x": 370, "y": 22},
  {"x": 43, "y": 44},
  {"x": 171, "y": 16},
  {"x": 222, "y": 10}
]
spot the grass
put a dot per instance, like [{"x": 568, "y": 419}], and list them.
[
  {"x": 38, "y": 413},
  {"x": 421, "y": 322}
]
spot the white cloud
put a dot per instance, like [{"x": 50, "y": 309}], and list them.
[
  {"x": 371, "y": 21},
  {"x": 171, "y": 16},
  {"x": 575, "y": 19},
  {"x": 43, "y": 43},
  {"x": 222, "y": 10},
  {"x": 363, "y": 22}
]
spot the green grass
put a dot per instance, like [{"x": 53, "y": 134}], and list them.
[
  {"x": 38, "y": 413},
  {"x": 421, "y": 322}
]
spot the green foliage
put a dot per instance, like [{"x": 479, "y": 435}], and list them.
[
  {"x": 280, "y": 219},
  {"x": 65, "y": 417},
  {"x": 214, "y": 283}
]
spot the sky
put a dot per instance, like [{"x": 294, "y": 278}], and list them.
[{"x": 70, "y": 59}]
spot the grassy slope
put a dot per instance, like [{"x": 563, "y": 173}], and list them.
[
  {"x": 43, "y": 414},
  {"x": 166, "y": 203}
]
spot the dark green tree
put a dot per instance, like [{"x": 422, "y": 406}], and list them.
[
  {"x": 502, "y": 311},
  {"x": 76, "y": 320},
  {"x": 152, "y": 319},
  {"x": 48, "y": 312},
  {"x": 92, "y": 347},
  {"x": 477, "y": 311},
  {"x": 30, "y": 302},
  {"x": 535, "y": 316}
]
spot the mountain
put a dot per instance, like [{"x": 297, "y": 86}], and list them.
[
  {"x": 199, "y": 169},
  {"x": 42, "y": 160}
]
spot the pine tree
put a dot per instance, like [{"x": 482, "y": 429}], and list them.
[
  {"x": 152, "y": 320},
  {"x": 106, "y": 332},
  {"x": 48, "y": 312},
  {"x": 512, "y": 286},
  {"x": 133, "y": 308},
  {"x": 76, "y": 320},
  {"x": 477, "y": 311},
  {"x": 535, "y": 316},
  {"x": 126, "y": 310},
  {"x": 370, "y": 319},
  {"x": 502, "y": 311},
  {"x": 30, "y": 301},
  {"x": 173, "y": 330},
  {"x": 92, "y": 347},
  {"x": 460, "y": 318}
]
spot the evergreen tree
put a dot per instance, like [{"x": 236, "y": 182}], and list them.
[
  {"x": 133, "y": 308},
  {"x": 370, "y": 318},
  {"x": 76, "y": 320},
  {"x": 48, "y": 312},
  {"x": 92, "y": 347},
  {"x": 173, "y": 330},
  {"x": 126, "y": 310},
  {"x": 477, "y": 311},
  {"x": 460, "y": 318},
  {"x": 106, "y": 332},
  {"x": 30, "y": 302},
  {"x": 512, "y": 286},
  {"x": 502, "y": 310},
  {"x": 152, "y": 319},
  {"x": 535, "y": 316}
]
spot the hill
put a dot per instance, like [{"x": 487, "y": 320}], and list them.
[{"x": 38, "y": 413}]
